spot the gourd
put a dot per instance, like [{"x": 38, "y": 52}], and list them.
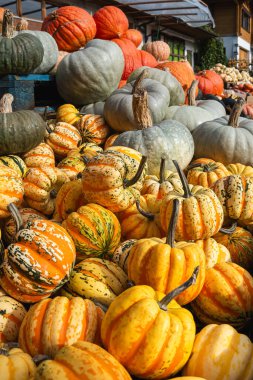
[
  {"x": 134, "y": 35},
  {"x": 41, "y": 155},
  {"x": 64, "y": 321},
  {"x": 111, "y": 22},
  {"x": 169, "y": 139},
  {"x": 50, "y": 48},
  {"x": 195, "y": 113},
  {"x": 228, "y": 139},
  {"x": 20, "y": 131},
  {"x": 240, "y": 169},
  {"x": 166, "y": 265},
  {"x": 20, "y": 54},
  {"x": 152, "y": 337},
  {"x": 83, "y": 79},
  {"x": 214, "y": 251},
  {"x": 121, "y": 253},
  {"x": 200, "y": 215},
  {"x": 14, "y": 162},
  {"x": 205, "y": 173},
  {"x": 38, "y": 262},
  {"x": 159, "y": 49},
  {"x": 15, "y": 364},
  {"x": 12, "y": 314},
  {"x": 93, "y": 129},
  {"x": 68, "y": 113},
  {"x": 72, "y": 166},
  {"x": 11, "y": 190},
  {"x": 72, "y": 27}
]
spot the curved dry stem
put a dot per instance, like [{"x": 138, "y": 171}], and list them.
[
  {"x": 187, "y": 191},
  {"x": 136, "y": 177},
  {"x": 147, "y": 214},
  {"x": 142, "y": 115},
  {"x": 173, "y": 223},
  {"x": 192, "y": 93},
  {"x": 16, "y": 216},
  {"x": 6, "y": 103},
  {"x": 162, "y": 170},
  {"x": 230, "y": 230},
  {"x": 235, "y": 113},
  {"x": 8, "y": 25}
]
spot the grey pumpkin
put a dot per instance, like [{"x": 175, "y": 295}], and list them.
[
  {"x": 49, "y": 45},
  {"x": 176, "y": 91},
  {"x": 93, "y": 108},
  {"x": 91, "y": 74},
  {"x": 20, "y": 131},
  {"x": 118, "y": 111},
  {"x": 20, "y": 54},
  {"x": 169, "y": 139}
]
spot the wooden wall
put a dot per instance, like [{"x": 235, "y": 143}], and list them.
[
  {"x": 225, "y": 16},
  {"x": 246, "y": 35}
]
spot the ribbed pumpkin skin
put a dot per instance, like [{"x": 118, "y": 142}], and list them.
[
  {"x": 154, "y": 263},
  {"x": 147, "y": 59},
  {"x": 17, "y": 365},
  {"x": 20, "y": 55},
  {"x": 72, "y": 27},
  {"x": 221, "y": 353},
  {"x": 20, "y": 131},
  {"x": 110, "y": 140},
  {"x": 215, "y": 253},
  {"x": 53, "y": 323},
  {"x": 96, "y": 279},
  {"x": 68, "y": 199},
  {"x": 152, "y": 185},
  {"x": 95, "y": 231},
  {"x": 240, "y": 246},
  {"x": 82, "y": 360},
  {"x": 121, "y": 254},
  {"x": 96, "y": 108},
  {"x": 11, "y": 190},
  {"x": 39, "y": 184},
  {"x": 68, "y": 113},
  {"x": 72, "y": 166},
  {"x": 12, "y": 314},
  {"x": 210, "y": 82},
  {"x": 149, "y": 342},
  {"x": 200, "y": 216},
  {"x": 14, "y": 162},
  {"x": 87, "y": 150},
  {"x": 41, "y": 155},
  {"x": 111, "y": 22},
  {"x": 63, "y": 138},
  {"x": 207, "y": 175},
  {"x": 27, "y": 215},
  {"x": 39, "y": 262},
  {"x": 134, "y": 225},
  {"x": 226, "y": 297},
  {"x": 93, "y": 129},
  {"x": 240, "y": 169},
  {"x": 131, "y": 56},
  {"x": 235, "y": 194},
  {"x": 134, "y": 35},
  {"x": 159, "y": 49}
]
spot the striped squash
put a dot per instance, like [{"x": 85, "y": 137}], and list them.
[
  {"x": 110, "y": 140},
  {"x": 41, "y": 155},
  {"x": 121, "y": 254},
  {"x": 68, "y": 113},
  {"x": 62, "y": 137},
  {"x": 53, "y": 323},
  {"x": 239, "y": 242},
  {"x": 72, "y": 166},
  {"x": 205, "y": 174},
  {"x": 214, "y": 252},
  {"x": 68, "y": 199},
  {"x": 95, "y": 231},
  {"x": 240, "y": 169},
  {"x": 82, "y": 360},
  {"x": 14, "y": 162},
  {"x": 27, "y": 215},
  {"x": 12, "y": 314},
  {"x": 11, "y": 190},
  {"x": 220, "y": 353},
  {"x": 142, "y": 219},
  {"x": 93, "y": 129},
  {"x": 16, "y": 365},
  {"x": 86, "y": 150},
  {"x": 226, "y": 297},
  {"x": 39, "y": 262},
  {"x": 96, "y": 279}
]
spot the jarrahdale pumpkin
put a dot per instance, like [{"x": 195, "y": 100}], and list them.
[
  {"x": 38, "y": 262},
  {"x": 220, "y": 353},
  {"x": 79, "y": 361},
  {"x": 150, "y": 335},
  {"x": 166, "y": 265},
  {"x": 15, "y": 364},
  {"x": 12, "y": 314},
  {"x": 95, "y": 231},
  {"x": 11, "y": 190},
  {"x": 53, "y": 323},
  {"x": 205, "y": 173},
  {"x": 97, "y": 279},
  {"x": 226, "y": 297},
  {"x": 200, "y": 211}
]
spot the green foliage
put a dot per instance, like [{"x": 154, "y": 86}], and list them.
[{"x": 212, "y": 52}]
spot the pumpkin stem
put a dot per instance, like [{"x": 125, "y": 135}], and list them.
[
  {"x": 7, "y": 26},
  {"x": 181, "y": 288},
  {"x": 162, "y": 171},
  {"x": 79, "y": 175},
  {"x": 142, "y": 115},
  {"x": 16, "y": 216},
  {"x": 187, "y": 191},
  {"x": 192, "y": 93},
  {"x": 235, "y": 113},
  {"x": 6, "y": 347},
  {"x": 100, "y": 304},
  {"x": 173, "y": 223},
  {"x": 37, "y": 359},
  {"x": 22, "y": 25},
  {"x": 6, "y": 103},
  {"x": 205, "y": 167},
  {"x": 85, "y": 159},
  {"x": 53, "y": 193},
  {"x": 230, "y": 230},
  {"x": 147, "y": 214},
  {"x": 136, "y": 177}
]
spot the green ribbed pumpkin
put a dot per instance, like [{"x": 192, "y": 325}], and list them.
[{"x": 21, "y": 54}]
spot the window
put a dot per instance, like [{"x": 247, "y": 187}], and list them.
[
  {"x": 245, "y": 20},
  {"x": 177, "y": 48}
]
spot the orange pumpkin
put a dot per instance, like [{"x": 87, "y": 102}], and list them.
[
  {"x": 134, "y": 35},
  {"x": 111, "y": 23},
  {"x": 11, "y": 190},
  {"x": 93, "y": 129},
  {"x": 210, "y": 82},
  {"x": 110, "y": 140},
  {"x": 68, "y": 113},
  {"x": 41, "y": 155},
  {"x": 206, "y": 174}
]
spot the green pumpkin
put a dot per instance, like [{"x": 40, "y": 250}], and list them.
[{"x": 21, "y": 54}]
